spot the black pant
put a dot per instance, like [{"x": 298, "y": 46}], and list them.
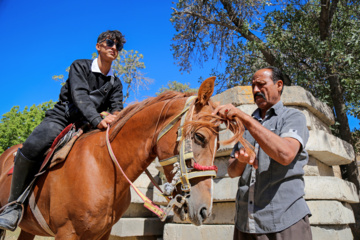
[{"x": 44, "y": 134}]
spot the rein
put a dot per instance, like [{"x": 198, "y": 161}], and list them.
[{"x": 147, "y": 202}]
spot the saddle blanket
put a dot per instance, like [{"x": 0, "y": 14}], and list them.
[{"x": 61, "y": 146}]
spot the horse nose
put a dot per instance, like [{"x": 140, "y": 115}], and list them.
[{"x": 204, "y": 213}]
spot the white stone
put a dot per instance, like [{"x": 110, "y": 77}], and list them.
[
  {"x": 312, "y": 122},
  {"x": 330, "y": 188},
  {"x": 311, "y": 168},
  {"x": 236, "y": 96},
  {"x": 330, "y": 213},
  {"x": 135, "y": 198},
  {"x": 129, "y": 227},
  {"x": 331, "y": 233},
  {"x": 143, "y": 181},
  {"x": 329, "y": 149},
  {"x": 192, "y": 232},
  {"x": 222, "y": 164},
  {"x": 298, "y": 96},
  {"x": 136, "y": 210},
  {"x": 225, "y": 150}
]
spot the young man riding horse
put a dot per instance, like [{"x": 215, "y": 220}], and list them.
[{"x": 90, "y": 89}]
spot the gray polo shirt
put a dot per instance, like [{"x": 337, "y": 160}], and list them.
[{"x": 270, "y": 199}]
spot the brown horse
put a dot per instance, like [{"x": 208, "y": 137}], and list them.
[{"x": 83, "y": 197}]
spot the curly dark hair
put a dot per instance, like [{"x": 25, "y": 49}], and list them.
[{"x": 113, "y": 35}]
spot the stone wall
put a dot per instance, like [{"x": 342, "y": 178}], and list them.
[{"x": 327, "y": 195}]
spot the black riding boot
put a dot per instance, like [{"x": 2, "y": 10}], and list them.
[{"x": 23, "y": 174}]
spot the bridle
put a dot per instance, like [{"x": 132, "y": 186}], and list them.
[
  {"x": 182, "y": 173},
  {"x": 185, "y": 152},
  {"x": 181, "y": 170}
]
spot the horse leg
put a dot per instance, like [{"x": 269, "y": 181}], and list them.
[{"x": 25, "y": 236}]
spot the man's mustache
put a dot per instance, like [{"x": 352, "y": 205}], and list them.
[{"x": 259, "y": 94}]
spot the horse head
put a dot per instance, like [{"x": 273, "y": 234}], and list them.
[{"x": 190, "y": 172}]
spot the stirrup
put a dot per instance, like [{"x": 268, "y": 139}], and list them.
[{"x": 11, "y": 222}]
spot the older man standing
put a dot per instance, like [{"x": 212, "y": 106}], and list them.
[{"x": 269, "y": 202}]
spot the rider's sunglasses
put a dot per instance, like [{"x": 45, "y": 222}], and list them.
[{"x": 110, "y": 43}]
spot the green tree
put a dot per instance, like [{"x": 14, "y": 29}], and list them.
[
  {"x": 177, "y": 86},
  {"x": 16, "y": 125},
  {"x": 314, "y": 42},
  {"x": 128, "y": 67}
]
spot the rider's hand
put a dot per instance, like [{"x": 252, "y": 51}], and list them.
[{"x": 107, "y": 120}]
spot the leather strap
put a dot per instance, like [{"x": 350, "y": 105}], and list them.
[{"x": 38, "y": 216}]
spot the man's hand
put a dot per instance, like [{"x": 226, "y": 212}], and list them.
[
  {"x": 227, "y": 111},
  {"x": 238, "y": 163},
  {"x": 243, "y": 157},
  {"x": 107, "y": 120}
]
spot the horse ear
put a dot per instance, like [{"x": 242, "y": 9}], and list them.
[{"x": 206, "y": 90}]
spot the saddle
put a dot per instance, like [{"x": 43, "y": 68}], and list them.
[{"x": 61, "y": 147}]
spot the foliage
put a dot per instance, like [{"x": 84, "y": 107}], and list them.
[
  {"x": 128, "y": 67},
  {"x": 314, "y": 42},
  {"x": 356, "y": 137},
  {"x": 177, "y": 86},
  {"x": 16, "y": 125}
]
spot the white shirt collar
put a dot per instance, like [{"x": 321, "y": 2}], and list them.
[{"x": 95, "y": 68}]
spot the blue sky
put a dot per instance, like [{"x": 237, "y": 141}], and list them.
[{"x": 40, "y": 39}]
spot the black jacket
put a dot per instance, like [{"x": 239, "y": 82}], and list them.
[{"x": 75, "y": 96}]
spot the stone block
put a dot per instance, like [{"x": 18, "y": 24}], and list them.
[
  {"x": 311, "y": 168},
  {"x": 329, "y": 149},
  {"x": 330, "y": 213},
  {"x": 312, "y": 122},
  {"x": 222, "y": 165},
  {"x": 225, "y": 189},
  {"x": 237, "y": 96},
  {"x": 143, "y": 181},
  {"x": 136, "y": 210},
  {"x": 330, "y": 188},
  {"x": 225, "y": 150},
  {"x": 318, "y": 168},
  {"x": 324, "y": 170},
  {"x": 131, "y": 227},
  {"x": 337, "y": 171},
  {"x": 158, "y": 198},
  {"x": 298, "y": 96},
  {"x": 148, "y": 192},
  {"x": 192, "y": 232},
  {"x": 247, "y": 108},
  {"x": 152, "y": 168},
  {"x": 331, "y": 233}
]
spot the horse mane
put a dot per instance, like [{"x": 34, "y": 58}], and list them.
[
  {"x": 209, "y": 121},
  {"x": 131, "y": 110}
]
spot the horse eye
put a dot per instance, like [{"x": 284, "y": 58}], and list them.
[{"x": 200, "y": 139}]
